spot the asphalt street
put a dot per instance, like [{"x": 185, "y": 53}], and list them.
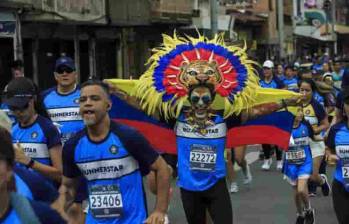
[{"x": 267, "y": 200}]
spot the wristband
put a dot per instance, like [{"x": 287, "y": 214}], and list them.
[{"x": 30, "y": 164}]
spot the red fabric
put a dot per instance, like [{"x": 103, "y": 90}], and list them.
[
  {"x": 161, "y": 138},
  {"x": 258, "y": 134}
]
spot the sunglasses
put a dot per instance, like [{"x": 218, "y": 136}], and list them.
[
  {"x": 205, "y": 99},
  {"x": 62, "y": 70},
  {"x": 14, "y": 108}
]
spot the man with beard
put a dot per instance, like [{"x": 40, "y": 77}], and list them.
[{"x": 113, "y": 158}]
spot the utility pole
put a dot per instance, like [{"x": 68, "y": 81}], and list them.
[
  {"x": 214, "y": 17},
  {"x": 333, "y": 33},
  {"x": 280, "y": 13}
]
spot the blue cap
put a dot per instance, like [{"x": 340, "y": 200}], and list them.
[{"x": 65, "y": 61}]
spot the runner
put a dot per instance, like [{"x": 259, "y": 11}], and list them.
[
  {"x": 238, "y": 155},
  {"x": 338, "y": 150},
  {"x": 315, "y": 114},
  {"x": 270, "y": 81},
  {"x": 37, "y": 139},
  {"x": 298, "y": 167},
  {"x": 191, "y": 70},
  {"x": 112, "y": 157},
  {"x": 62, "y": 104},
  {"x": 15, "y": 208}
]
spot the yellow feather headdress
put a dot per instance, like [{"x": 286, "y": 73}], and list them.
[{"x": 159, "y": 88}]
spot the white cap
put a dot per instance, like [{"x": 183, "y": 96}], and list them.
[{"x": 268, "y": 64}]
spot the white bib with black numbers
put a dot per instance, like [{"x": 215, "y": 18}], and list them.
[
  {"x": 202, "y": 157},
  {"x": 343, "y": 153},
  {"x": 105, "y": 201},
  {"x": 296, "y": 153}
]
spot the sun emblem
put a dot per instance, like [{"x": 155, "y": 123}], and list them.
[
  {"x": 113, "y": 149},
  {"x": 34, "y": 135}
]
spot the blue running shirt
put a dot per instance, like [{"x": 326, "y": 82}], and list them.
[
  {"x": 37, "y": 139},
  {"x": 291, "y": 84},
  {"x": 34, "y": 186},
  {"x": 338, "y": 142},
  {"x": 298, "y": 159},
  {"x": 201, "y": 160},
  {"x": 64, "y": 110},
  {"x": 113, "y": 168},
  {"x": 275, "y": 83}
]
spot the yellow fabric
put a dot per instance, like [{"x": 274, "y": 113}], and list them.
[{"x": 262, "y": 95}]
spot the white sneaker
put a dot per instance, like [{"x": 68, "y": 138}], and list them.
[
  {"x": 266, "y": 165},
  {"x": 279, "y": 165},
  {"x": 167, "y": 221},
  {"x": 247, "y": 175},
  {"x": 234, "y": 187}
]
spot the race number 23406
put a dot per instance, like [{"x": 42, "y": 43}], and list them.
[{"x": 106, "y": 201}]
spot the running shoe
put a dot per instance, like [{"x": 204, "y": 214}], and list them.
[
  {"x": 279, "y": 165},
  {"x": 266, "y": 164},
  {"x": 166, "y": 221},
  {"x": 247, "y": 175},
  {"x": 234, "y": 187},
  {"x": 325, "y": 187},
  {"x": 312, "y": 194},
  {"x": 309, "y": 216},
  {"x": 300, "y": 219}
]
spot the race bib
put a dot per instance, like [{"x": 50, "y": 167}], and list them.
[
  {"x": 345, "y": 170},
  {"x": 105, "y": 201},
  {"x": 203, "y": 157},
  {"x": 296, "y": 156}
]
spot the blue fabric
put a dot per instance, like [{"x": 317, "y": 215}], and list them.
[
  {"x": 39, "y": 188},
  {"x": 64, "y": 110},
  {"x": 22, "y": 188},
  {"x": 197, "y": 180}
]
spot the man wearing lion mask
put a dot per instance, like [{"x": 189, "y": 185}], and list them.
[{"x": 187, "y": 78}]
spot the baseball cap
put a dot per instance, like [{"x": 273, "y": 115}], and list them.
[
  {"x": 18, "y": 92},
  {"x": 65, "y": 61},
  {"x": 268, "y": 64},
  {"x": 327, "y": 74}
]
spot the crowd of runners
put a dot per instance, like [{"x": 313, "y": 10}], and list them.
[{"x": 63, "y": 160}]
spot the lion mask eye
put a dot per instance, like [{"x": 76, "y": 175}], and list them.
[
  {"x": 192, "y": 73},
  {"x": 209, "y": 72}
]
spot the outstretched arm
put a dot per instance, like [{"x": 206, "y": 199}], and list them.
[
  {"x": 131, "y": 100},
  {"x": 268, "y": 108}
]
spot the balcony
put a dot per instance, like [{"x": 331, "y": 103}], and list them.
[
  {"x": 79, "y": 11},
  {"x": 179, "y": 11}
]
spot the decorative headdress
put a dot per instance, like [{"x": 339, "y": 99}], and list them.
[{"x": 166, "y": 83}]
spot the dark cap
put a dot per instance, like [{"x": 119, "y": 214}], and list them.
[
  {"x": 65, "y": 61},
  {"x": 18, "y": 92},
  {"x": 16, "y": 64}
]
